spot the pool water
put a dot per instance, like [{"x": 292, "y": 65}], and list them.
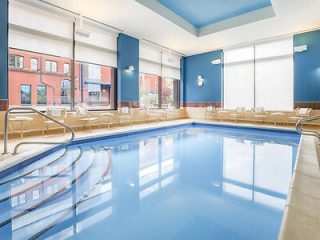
[{"x": 188, "y": 182}]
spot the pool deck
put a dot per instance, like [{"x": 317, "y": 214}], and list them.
[{"x": 301, "y": 219}]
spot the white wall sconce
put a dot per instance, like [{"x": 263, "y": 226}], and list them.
[
  {"x": 301, "y": 48},
  {"x": 216, "y": 61},
  {"x": 200, "y": 81},
  {"x": 130, "y": 68}
]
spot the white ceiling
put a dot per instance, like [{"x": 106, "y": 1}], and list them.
[{"x": 136, "y": 20}]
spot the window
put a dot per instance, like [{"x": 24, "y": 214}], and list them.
[
  {"x": 41, "y": 95},
  {"x": 260, "y": 76},
  {"x": 149, "y": 91},
  {"x": 15, "y": 61},
  {"x": 34, "y": 64},
  {"x": 159, "y": 85},
  {"x": 25, "y": 94},
  {"x": 51, "y": 66},
  {"x": 66, "y": 68}
]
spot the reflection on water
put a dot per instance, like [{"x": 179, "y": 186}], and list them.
[{"x": 191, "y": 182}]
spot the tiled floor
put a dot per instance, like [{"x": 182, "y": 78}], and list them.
[{"x": 302, "y": 214}]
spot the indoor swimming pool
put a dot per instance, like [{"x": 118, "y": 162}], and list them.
[{"x": 193, "y": 181}]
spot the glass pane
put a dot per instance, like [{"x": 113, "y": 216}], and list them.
[
  {"x": 169, "y": 94},
  {"x": 94, "y": 85},
  {"x": 25, "y": 94},
  {"x": 149, "y": 90},
  {"x": 41, "y": 95}
]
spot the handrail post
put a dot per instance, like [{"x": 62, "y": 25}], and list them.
[{"x": 6, "y": 137}]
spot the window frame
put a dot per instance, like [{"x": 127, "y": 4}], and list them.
[
  {"x": 64, "y": 68},
  {"x": 30, "y": 88},
  {"x": 15, "y": 56},
  {"x": 51, "y": 66},
  {"x": 37, "y": 66},
  {"x": 45, "y": 87}
]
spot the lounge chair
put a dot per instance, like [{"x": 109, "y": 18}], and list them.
[
  {"x": 258, "y": 114},
  {"x": 237, "y": 114},
  {"x": 171, "y": 113},
  {"x": 151, "y": 115},
  {"x": 125, "y": 115},
  {"x": 210, "y": 111},
  {"x": 299, "y": 114},
  {"x": 58, "y": 114},
  {"x": 84, "y": 116}
]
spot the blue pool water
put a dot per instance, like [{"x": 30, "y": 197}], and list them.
[{"x": 188, "y": 182}]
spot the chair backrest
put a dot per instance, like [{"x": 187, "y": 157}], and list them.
[
  {"x": 240, "y": 109},
  {"x": 303, "y": 111},
  {"x": 210, "y": 108},
  {"x": 170, "y": 108},
  {"x": 124, "y": 111},
  {"x": 258, "y": 109},
  {"x": 81, "y": 111},
  {"x": 56, "y": 112}
]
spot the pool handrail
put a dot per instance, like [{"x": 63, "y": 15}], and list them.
[
  {"x": 308, "y": 132},
  {"x": 30, "y": 110}
]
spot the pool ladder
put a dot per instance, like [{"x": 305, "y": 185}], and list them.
[
  {"x": 32, "y": 110},
  {"x": 308, "y": 132}
]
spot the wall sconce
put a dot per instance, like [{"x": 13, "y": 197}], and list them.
[
  {"x": 130, "y": 68},
  {"x": 200, "y": 81},
  {"x": 301, "y": 48},
  {"x": 216, "y": 61}
]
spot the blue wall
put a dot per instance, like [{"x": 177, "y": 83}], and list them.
[
  {"x": 201, "y": 65},
  {"x": 128, "y": 82},
  {"x": 307, "y": 68},
  {"x": 3, "y": 50}
]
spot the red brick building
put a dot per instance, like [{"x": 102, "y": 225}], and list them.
[{"x": 38, "y": 79}]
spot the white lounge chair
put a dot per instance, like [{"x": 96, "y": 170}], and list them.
[
  {"x": 299, "y": 114},
  {"x": 171, "y": 113},
  {"x": 125, "y": 115},
  {"x": 84, "y": 116},
  {"x": 237, "y": 114},
  {"x": 258, "y": 114},
  {"x": 59, "y": 114},
  {"x": 210, "y": 111}
]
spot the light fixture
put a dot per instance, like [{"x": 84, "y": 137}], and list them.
[
  {"x": 216, "y": 61},
  {"x": 200, "y": 81},
  {"x": 130, "y": 68},
  {"x": 301, "y": 48}
]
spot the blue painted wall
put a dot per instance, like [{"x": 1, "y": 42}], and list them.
[
  {"x": 3, "y": 49},
  {"x": 307, "y": 68},
  {"x": 201, "y": 65},
  {"x": 128, "y": 82}
]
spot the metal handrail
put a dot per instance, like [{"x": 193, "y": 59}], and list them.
[
  {"x": 23, "y": 143},
  {"x": 309, "y": 132}
]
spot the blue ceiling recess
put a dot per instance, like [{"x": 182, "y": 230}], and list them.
[
  {"x": 204, "y": 12},
  {"x": 202, "y": 17}
]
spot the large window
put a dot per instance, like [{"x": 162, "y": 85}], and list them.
[
  {"x": 260, "y": 76},
  {"x": 159, "y": 78},
  {"x": 25, "y": 94},
  {"x": 41, "y": 56}
]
